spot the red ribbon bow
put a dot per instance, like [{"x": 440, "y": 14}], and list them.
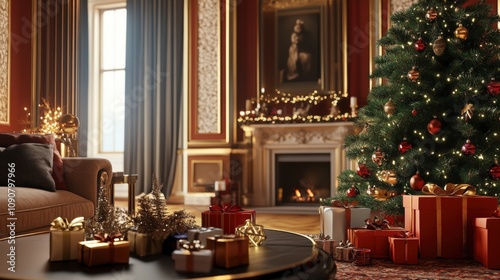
[
  {"x": 377, "y": 223},
  {"x": 403, "y": 234},
  {"x": 225, "y": 208},
  {"x": 110, "y": 238},
  {"x": 344, "y": 204}
]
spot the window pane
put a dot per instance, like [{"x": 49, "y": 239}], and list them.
[
  {"x": 114, "y": 24},
  {"x": 113, "y": 111}
]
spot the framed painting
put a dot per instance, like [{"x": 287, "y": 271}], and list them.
[
  {"x": 4, "y": 62},
  {"x": 299, "y": 49}
]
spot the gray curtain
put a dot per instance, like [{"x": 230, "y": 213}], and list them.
[{"x": 153, "y": 90}]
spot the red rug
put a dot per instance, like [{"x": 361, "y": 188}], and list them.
[{"x": 425, "y": 270}]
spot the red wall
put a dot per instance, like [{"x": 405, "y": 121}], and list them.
[{"x": 20, "y": 64}]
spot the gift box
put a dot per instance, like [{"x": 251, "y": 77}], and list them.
[
  {"x": 229, "y": 251},
  {"x": 334, "y": 221},
  {"x": 375, "y": 240},
  {"x": 171, "y": 243},
  {"x": 64, "y": 239},
  {"x": 487, "y": 242},
  {"x": 403, "y": 250},
  {"x": 343, "y": 252},
  {"x": 95, "y": 252},
  {"x": 193, "y": 261},
  {"x": 227, "y": 218},
  {"x": 143, "y": 244},
  {"x": 361, "y": 256},
  {"x": 201, "y": 234},
  {"x": 445, "y": 224},
  {"x": 327, "y": 244}
]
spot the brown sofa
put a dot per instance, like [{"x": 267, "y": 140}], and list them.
[{"x": 36, "y": 208}]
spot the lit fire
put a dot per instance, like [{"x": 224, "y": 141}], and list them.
[
  {"x": 298, "y": 196},
  {"x": 297, "y": 193},
  {"x": 310, "y": 193}
]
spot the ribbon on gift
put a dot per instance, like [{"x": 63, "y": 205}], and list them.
[
  {"x": 110, "y": 238},
  {"x": 347, "y": 205},
  {"x": 449, "y": 189},
  {"x": 377, "y": 223},
  {"x": 403, "y": 234},
  {"x": 254, "y": 233},
  {"x": 225, "y": 208},
  {"x": 63, "y": 224},
  {"x": 343, "y": 251}
]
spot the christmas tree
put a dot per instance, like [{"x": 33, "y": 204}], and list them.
[{"x": 434, "y": 118}]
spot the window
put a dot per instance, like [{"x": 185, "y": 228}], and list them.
[{"x": 108, "y": 21}]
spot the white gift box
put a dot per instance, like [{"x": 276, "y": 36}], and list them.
[
  {"x": 334, "y": 223},
  {"x": 202, "y": 234},
  {"x": 193, "y": 261}
]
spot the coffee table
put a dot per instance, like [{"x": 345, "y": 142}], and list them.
[{"x": 285, "y": 255}]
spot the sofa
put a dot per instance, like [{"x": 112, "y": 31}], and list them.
[{"x": 37, "y": 185}]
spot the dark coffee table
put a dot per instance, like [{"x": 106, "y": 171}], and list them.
[{"x": 285, "y": 255}]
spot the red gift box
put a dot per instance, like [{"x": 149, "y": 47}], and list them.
[
  {"x": 227, "y": 218},
  {"x": 403, "y": 250},
  {"x": 487, "y": 242},
  {"x": 375, "y": 240},
  {"x": 444, "y": 224}
]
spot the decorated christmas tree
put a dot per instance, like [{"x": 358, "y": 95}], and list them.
[{"x": 434, "y": 119}]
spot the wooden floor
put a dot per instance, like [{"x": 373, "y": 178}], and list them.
[{"x": 301, "y": 223}]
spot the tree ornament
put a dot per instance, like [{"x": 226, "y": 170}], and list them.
[
  {"x": 387, "y": 176},
  {"x": 352, "y": 191},
  {"x": 363, "y": 171},
  {"x": 417, "y": 182},
  {"x": 468, "y": 111},
  {"x": 434, "y": 126},
  {"x": 461, "y": 32},
  {"x": 413, "y": 74},
  {"x": 389, "y": 107},
  {"x": 431, "y": 14},
  {"x": 420, "y": 45},
  {"x": 493, "y": 87},
  {"x": 439, "y": 46},
  {"x": 468, "y": 148},
  {"x": 378, "y": 157},
  {"x": 414, "y": 112},
  {"x": 494, "y": 171},
  {"x": 404, "y": 146}
]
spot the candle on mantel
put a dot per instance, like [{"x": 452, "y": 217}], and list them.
[
  {"x": 354, "y": 101},
  {"x": 248, "y": 105}
]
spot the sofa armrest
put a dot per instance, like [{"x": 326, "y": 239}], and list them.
[{"x": 82, "y": 175}]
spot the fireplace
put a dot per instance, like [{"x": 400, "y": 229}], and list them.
[
  {"x": 312, "y": 156},
  {"x": 301, "y": 179}
]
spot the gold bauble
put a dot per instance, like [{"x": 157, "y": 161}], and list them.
[
  {"x": 413, "y": 74},
  {"x": 378, "y": 157},
  {"x": 461, "y": 32},
  {"x": 389, "y": 107},
  {"x": 388, "y": 176},
  {"x": 69, "y": 124},
  {"x": 439, "y": 46},
  {"x": 380, "y": 194}
]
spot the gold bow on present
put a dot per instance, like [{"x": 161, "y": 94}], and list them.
[
  {"x": 450, "y": 189},
  {"x": 63, "y": 224},
  {"x": 255, "y": 233}
]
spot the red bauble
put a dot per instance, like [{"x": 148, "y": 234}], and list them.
[
  {"x": 494, "y": 171},
  {"x": 420, "y": 45},
  {"x": 404, "y": 146},
  {"x": 352, "y": 191},
  {"x": 496, "y": 213},
  {"x": 363, "y": 171},
  {"x": 414, "y": 112},
  {"x": 417, "y": 182},
  {"x": 493, "y": 88},
  {"x": 434, "y": 126},
  {"x": 468, "y": 148}
]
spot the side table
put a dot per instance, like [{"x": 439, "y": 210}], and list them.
[{"x": 120, "y": 178}]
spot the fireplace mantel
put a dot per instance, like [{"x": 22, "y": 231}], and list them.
[{"x": 268, "y": 140}]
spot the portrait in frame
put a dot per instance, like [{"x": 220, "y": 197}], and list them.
[
  {"x": 4, "y": 61},
  {"x": 298, "y": 49}
]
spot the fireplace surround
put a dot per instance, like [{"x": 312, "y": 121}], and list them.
[{"x": 271, "y": 142}]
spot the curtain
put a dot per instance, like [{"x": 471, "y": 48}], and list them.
[{"x": 153, "y": 91}]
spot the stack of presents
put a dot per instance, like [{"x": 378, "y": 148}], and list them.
[
  {"x": 225, "y": 239},
  {"x": 435, "y": 226}
]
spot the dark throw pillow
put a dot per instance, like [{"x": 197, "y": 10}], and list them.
[
  {"x": 32, "y": 166},
  {"x": 7, "y": 139}
]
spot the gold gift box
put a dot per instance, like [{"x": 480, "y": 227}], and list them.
[
  {"x": 92, "y": 253},
  {"x": 143, "y": 244},
  {"x": 64, "y": 244},
  {"x": 229, "y": 250}
]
